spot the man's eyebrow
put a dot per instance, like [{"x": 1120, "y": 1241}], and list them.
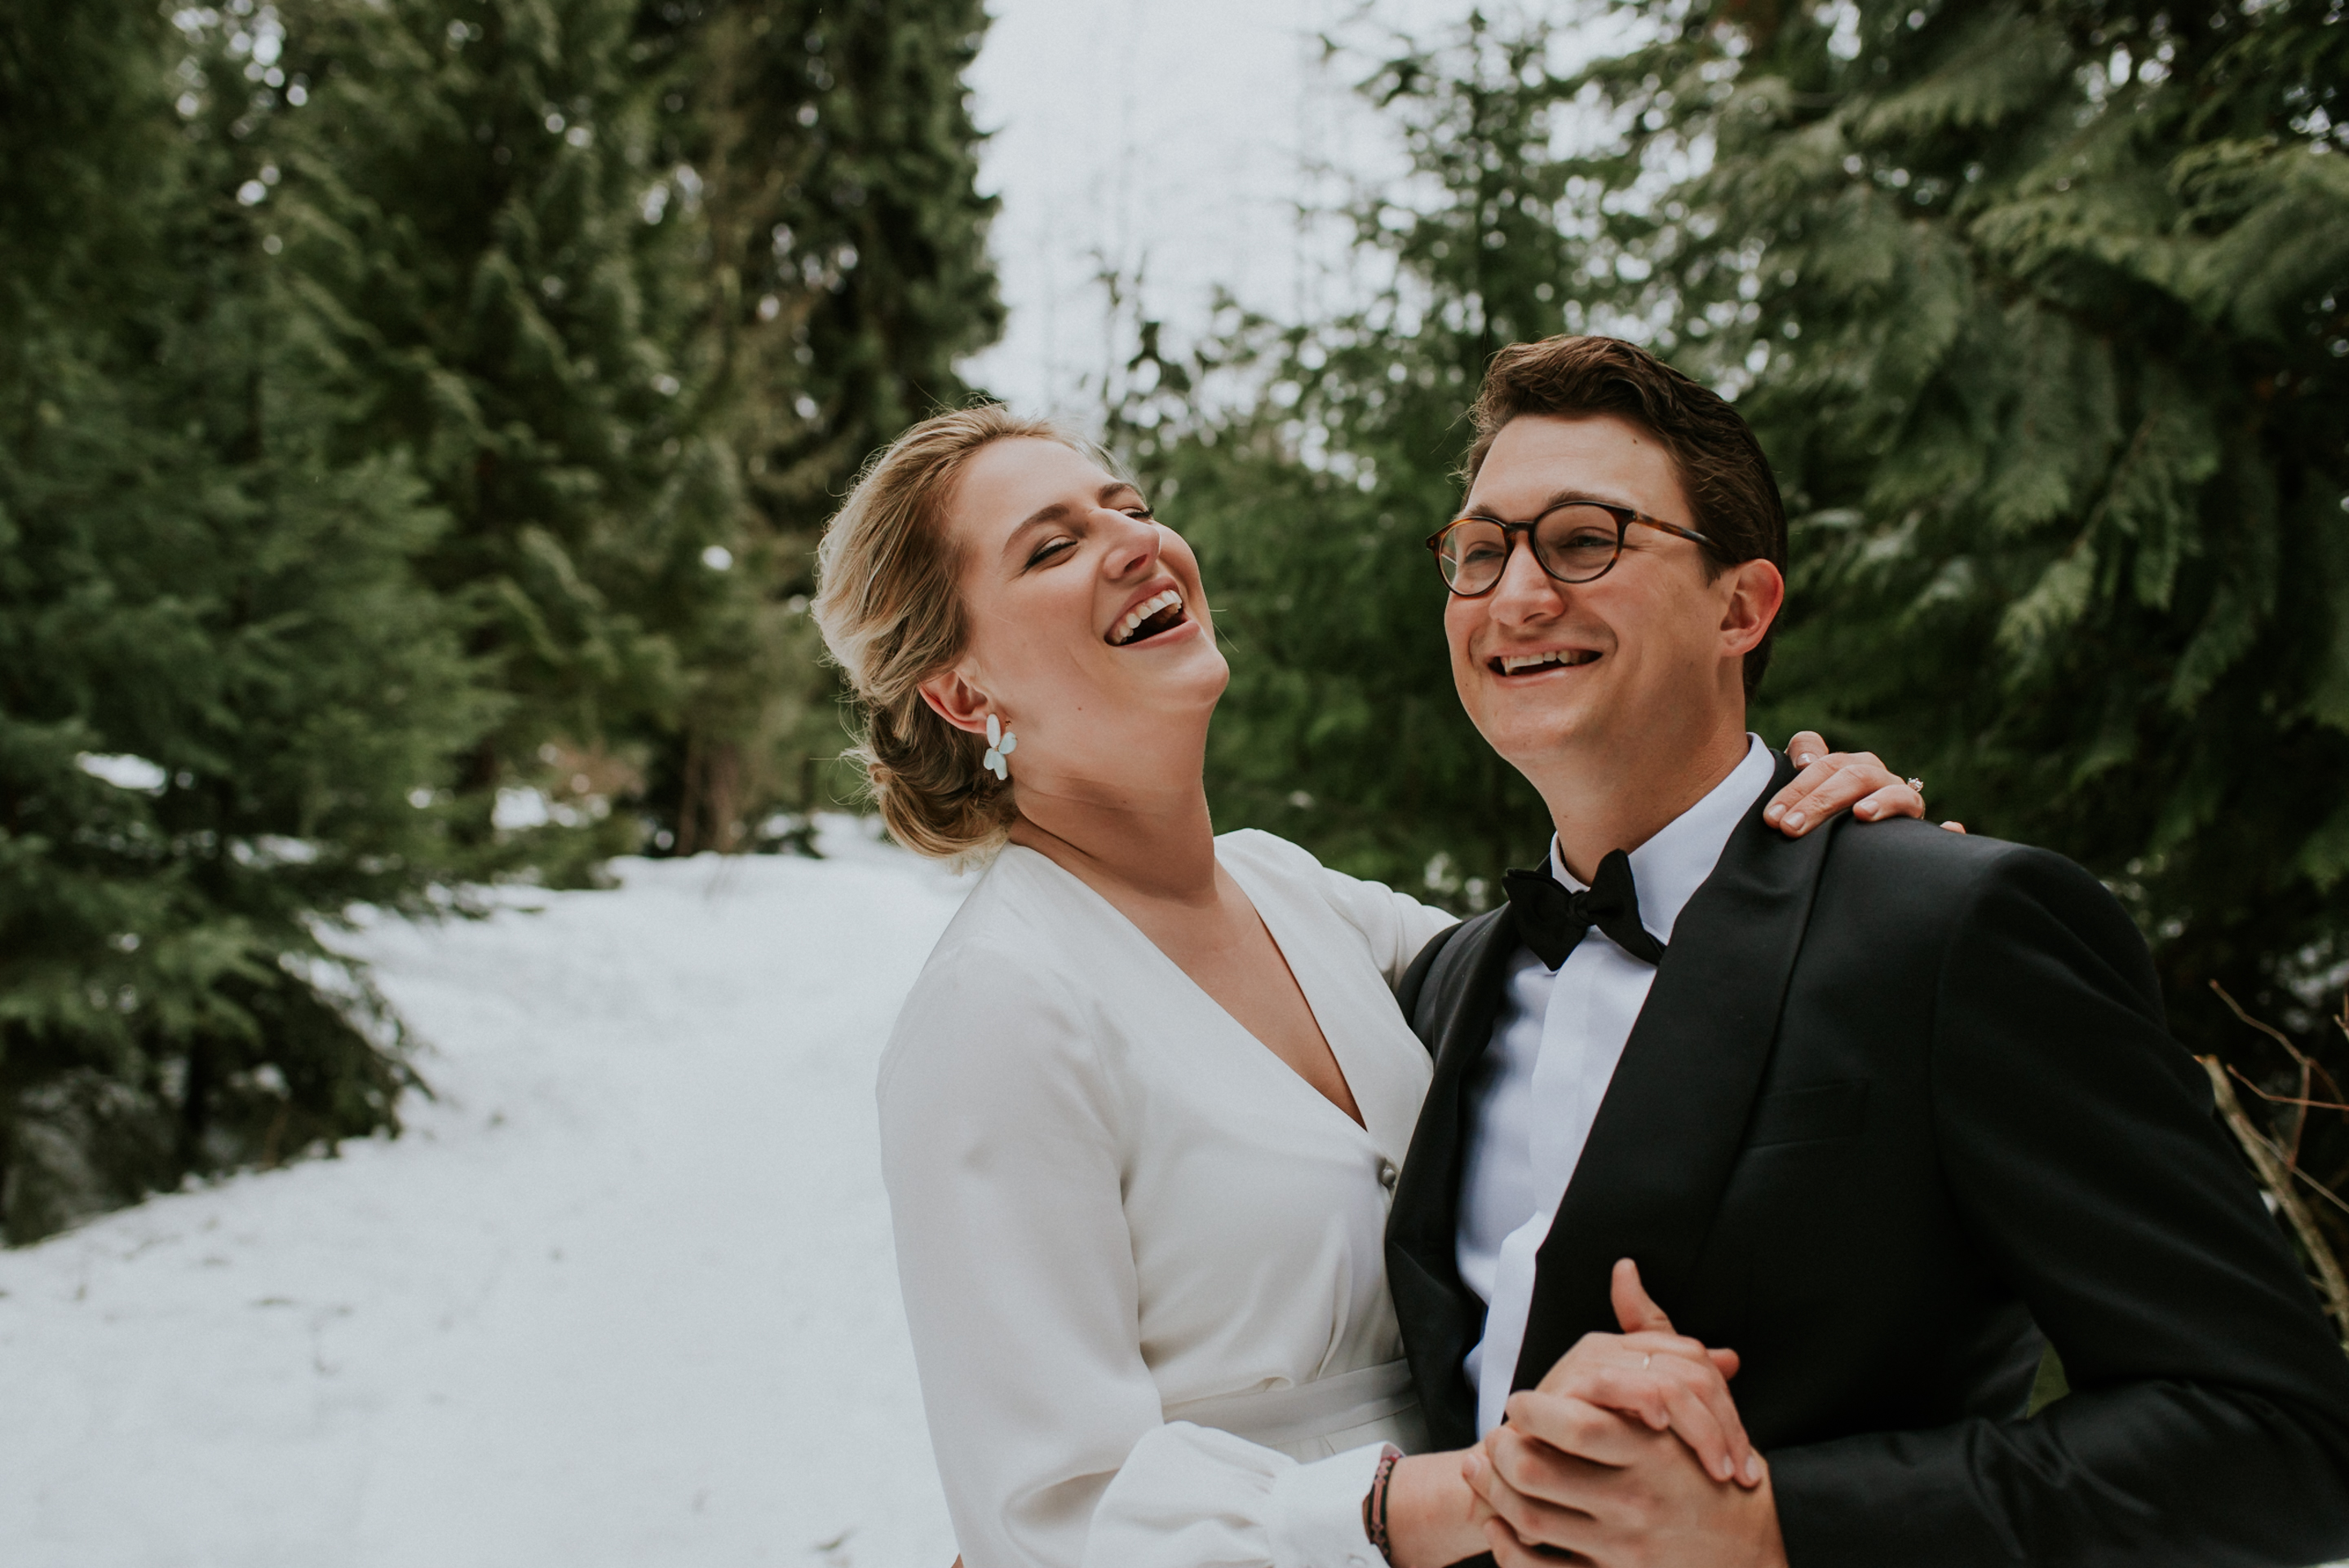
[
  {"x": 1561, "y": 498},
  {"x": 1059, "y": 510}
]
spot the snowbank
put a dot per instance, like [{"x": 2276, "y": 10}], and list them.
[{"x": 623, "y": 1294}]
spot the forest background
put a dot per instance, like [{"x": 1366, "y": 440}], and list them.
[{"x": 416, "y": 418}]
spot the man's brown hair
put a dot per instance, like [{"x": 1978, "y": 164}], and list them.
[{"x": 1721, "y": 467}]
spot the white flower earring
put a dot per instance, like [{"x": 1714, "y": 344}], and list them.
[{"x": 999, "y": 743}]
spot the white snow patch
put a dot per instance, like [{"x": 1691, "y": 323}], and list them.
[
  {"x": 517, "y": 809},
  {"x": 623, "y": 1294},
  {"x": 123, "y": 770}
]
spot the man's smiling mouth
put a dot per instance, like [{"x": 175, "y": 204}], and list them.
[
  {"x": 1160, "y": 613},
  {"x": 1548, "y": 659}
]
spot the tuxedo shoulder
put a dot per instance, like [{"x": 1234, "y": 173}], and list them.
[
  {"x": 1914, "y": 849},
  {"x": 1968, "y": 878}
]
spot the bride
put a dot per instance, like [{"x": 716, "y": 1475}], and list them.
[{"x": 1142, "y": 1112}]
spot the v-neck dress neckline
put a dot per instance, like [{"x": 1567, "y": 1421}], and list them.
[{"x": 1233, "y": 1028}]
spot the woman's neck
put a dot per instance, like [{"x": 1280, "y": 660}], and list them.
[{"x": 1155, "y": 842}]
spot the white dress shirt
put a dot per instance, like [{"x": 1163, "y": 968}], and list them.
[
  {"x": 1555, "y": 1046},
  {"x": 1143, "y": 1260}
]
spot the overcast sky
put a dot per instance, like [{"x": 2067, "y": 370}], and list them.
[{"x": 1171, "y": 136}]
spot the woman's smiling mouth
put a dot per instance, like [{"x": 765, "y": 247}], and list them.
[{"x": 1162, "y": 612}]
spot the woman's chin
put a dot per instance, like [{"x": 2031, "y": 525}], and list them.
[{"x": 1182, "y": 659}]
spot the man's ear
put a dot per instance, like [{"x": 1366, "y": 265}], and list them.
[
  {"x": 1757, "y": 590},
  {"x": 953, "y": 699}
]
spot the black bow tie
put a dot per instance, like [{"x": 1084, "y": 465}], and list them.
[{"x": 1553, "y": 921}]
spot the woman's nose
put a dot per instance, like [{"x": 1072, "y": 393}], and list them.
[{"x": 1134, "y": 546}]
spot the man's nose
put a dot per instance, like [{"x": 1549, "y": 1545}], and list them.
[{"x": 1526, "y": 592}]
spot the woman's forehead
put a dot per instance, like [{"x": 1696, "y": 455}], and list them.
[{"x": 1007, "y": 482}]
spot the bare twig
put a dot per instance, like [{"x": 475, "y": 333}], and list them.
[
  {"x": 2268, "y": 1162},
  {"x": 2244, "y": 1079},
  {"x": 2306, "y": 1063},
  {"x": 2309, "y": 1070},
  {"x": 2322, "y": 1191}
]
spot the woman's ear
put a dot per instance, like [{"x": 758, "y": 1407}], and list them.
[{"x": 953, "y": 699}]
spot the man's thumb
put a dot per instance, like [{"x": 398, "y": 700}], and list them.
[{"x": 1633, "y": 1309}]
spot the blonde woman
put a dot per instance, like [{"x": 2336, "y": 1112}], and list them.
[{"x": 1142, "y": 1112}]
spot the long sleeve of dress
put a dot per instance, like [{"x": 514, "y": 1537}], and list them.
[
  {"x": 1003, "y": 1146},
  {"x": 1394, "y": 925}
]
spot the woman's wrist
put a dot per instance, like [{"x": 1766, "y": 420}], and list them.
[{"x": 1431, "y": 1513}]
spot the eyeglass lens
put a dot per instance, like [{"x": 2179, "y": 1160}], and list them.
[{"x": 1574, "y": 544}]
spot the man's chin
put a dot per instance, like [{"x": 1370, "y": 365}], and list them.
[{"x": 1531, "y": 738}]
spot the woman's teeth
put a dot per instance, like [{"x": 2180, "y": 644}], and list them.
[
  {"x": 1149, "y": 609},
  {"x": 1514, "y": 664}
]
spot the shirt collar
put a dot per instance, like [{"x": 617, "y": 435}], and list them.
[{"x": 1670, "y": 867}]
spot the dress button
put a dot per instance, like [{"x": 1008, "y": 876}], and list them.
[{"x": 1388, "y": 1174}]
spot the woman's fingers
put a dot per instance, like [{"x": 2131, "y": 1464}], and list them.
[
  {"x": 1817, "y": 764},
  {"x": 1856, "y": 781},
  {"x": 1663, "y": 1379},
  {"x": 1528, "y": 1486},
  {"x": 1806, "y": 746},
  {"x": 1890, "y": 800},
  {"x": 1668, "y": 1394}
]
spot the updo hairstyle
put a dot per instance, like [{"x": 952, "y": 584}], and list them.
[{"x": 889, "y": 603}]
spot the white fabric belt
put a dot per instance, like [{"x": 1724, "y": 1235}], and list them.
[{"x": 1278, "y": 1417}]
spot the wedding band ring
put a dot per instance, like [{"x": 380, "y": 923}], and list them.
[{"x": 1919, "y": 786}]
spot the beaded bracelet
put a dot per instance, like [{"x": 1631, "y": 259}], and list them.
[{"x": 1374, "y": 1505}]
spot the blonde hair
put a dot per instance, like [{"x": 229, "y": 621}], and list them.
[{"x": 889, "y": 603}]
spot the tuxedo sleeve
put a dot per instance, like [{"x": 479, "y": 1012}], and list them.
[{"x": 2208, "y": 1419}]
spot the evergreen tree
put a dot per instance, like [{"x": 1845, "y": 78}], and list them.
[
  {"x": 1306, "y": 461},
  {"x": 640, "y": 285},
  {"x": 2037, "y": 307},
  {"x": 392, "y": 413},
  {"x": 222, "y": 689},
  {"x": 2041, "y": 309},
  {"x": 470, "y": 202},
  {"x": 834, "y": 167}
]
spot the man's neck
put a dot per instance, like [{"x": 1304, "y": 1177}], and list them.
[{"x": 1620, "y": 800}]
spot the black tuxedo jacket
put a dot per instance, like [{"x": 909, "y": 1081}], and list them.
[{"x": 1900, "y": 1103}]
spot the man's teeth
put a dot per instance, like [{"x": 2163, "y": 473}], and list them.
[
  {"x": 1169, "y": 600},
  {"x": 1513, "y": 664}
]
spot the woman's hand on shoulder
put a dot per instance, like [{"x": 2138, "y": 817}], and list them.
[{"x": 1835, "y": 781}]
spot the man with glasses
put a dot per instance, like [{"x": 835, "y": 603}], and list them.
[{"x": 1888, "y": 1114}]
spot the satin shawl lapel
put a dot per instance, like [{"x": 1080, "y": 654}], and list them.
[
  {"x": 1674, "y": 1120},
  {"x": 1441, "y": 1317}
]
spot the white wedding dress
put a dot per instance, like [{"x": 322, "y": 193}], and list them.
[{"x": 1143, "y": 1258}]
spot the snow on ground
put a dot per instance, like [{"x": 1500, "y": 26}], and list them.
[{"x": 622, "y": 1294}]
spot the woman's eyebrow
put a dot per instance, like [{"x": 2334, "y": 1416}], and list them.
[
  {"x": 1037, "y": 519},
  {"x": 1059, "y": 510}
]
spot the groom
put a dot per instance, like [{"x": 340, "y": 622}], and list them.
[{"x": 1887, "y": 1111}]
